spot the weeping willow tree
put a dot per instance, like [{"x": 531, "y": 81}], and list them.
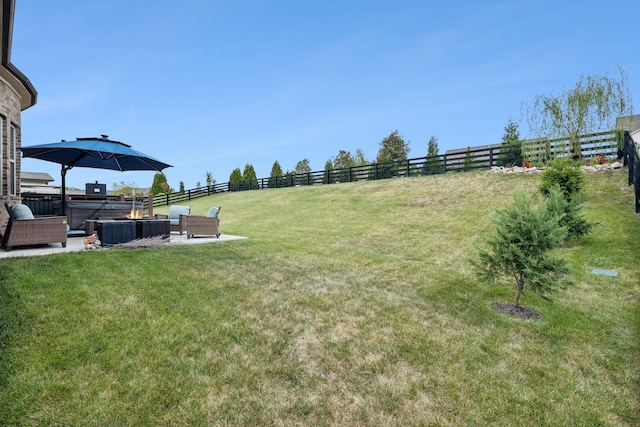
[{"x": 591, "y": 106}]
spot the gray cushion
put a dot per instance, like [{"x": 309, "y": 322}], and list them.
[
  {"x": 176, "y": 211},
  {"x": 213, "y": 212},
  {"x": 20, "y": 211}
]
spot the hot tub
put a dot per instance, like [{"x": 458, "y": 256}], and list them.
[{"x": 78, "y": 211}]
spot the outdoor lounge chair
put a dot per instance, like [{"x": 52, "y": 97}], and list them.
[
  {"x": 177, "y": 217},
  {"x": 24, "y": 229},
  {"x": 208, "y": 225}
]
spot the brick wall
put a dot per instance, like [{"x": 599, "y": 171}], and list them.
[{"x": 10, "y": 113}]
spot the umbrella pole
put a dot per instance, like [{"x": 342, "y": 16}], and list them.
[{"x": 63, "y": 188}]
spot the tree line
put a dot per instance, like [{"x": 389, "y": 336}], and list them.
[{"x": 592, "y": 105}]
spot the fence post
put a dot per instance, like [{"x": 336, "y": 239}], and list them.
[
  {"x": 444, "y": 163},
  {"x": 150, "y": 205},
  {"x": 490, "y": 157}
]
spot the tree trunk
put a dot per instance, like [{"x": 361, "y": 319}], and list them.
[
  {"x": 516, "y": 301},
  {"x": 575, "y": 146}
]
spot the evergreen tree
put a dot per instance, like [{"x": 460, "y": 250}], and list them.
[
  {"x": 565, "y": 173},
  {"x": 511, "y": 148},
  {"x": 393, "y": 148},
  {"x": 236, "y": 175},
  {"x": 234, "y": 180},
  {"x": 160, "y": 185},
  {"x": 249, "y": 178},
  {"x": 434, "y": 163},
  {"x": 569, "y": 213},
  {"x": 519, "y": 248},
  {"x": 468, "y": 160},
  {"x": 181, "y": 187},
  {"x": 276, "y": 172}
]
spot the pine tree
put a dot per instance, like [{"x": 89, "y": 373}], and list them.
[
  {"x": 468, "y": 161},
  {"x": 434, "y": 163},
  {"x": 565, "y": 173},
  {"x": 511, "y": 148},
  {"x": 234, "y": 179},
  {"x": 160, "y": 185},
  {"x": 276, "y": 172},
  {"x": 519, "y": 248},
  {"x": 569, "y": 213},
  {"x": 249, "y": 177}
]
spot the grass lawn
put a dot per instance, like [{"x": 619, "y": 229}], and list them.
[{"x": 349, "y": 304}]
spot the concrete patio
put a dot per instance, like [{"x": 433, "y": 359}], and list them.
[{"x": 76, "y": 244}]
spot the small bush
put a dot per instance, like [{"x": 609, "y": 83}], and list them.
[
  {"x": 567, "y": 174},
  {"x": 569, "y": 213},
  {"x": 519, "y": 248}
]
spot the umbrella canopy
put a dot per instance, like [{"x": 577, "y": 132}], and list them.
[{"x": 98, "y": 153}]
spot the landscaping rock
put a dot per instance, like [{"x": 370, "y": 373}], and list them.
[{"x": 515, "y": 169}]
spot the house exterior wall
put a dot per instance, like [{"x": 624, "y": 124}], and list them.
[
  {"x": 16, "y": 95},
  {"x": 9, "y": 116}
]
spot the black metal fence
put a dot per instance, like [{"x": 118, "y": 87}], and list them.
[
  {"x": 606, "y": 143},
  {"x": 632, "y": 161}
]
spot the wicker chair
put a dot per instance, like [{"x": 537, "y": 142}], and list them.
[
  {"x": 208, "y": 225},
  {"x": 177, "y": 217},
  {"x": 24, "y": 229}
]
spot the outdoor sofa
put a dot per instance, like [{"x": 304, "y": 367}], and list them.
[{"x": 24, "y": 229}]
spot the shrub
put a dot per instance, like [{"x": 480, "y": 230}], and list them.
[
  {"x": 567, "y": 174},
  {"x": 569, "y": 213}
]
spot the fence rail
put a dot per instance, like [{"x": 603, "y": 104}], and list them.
[
  {"x": 542, "y": 149},
  {"x": 537, "y": 151}
]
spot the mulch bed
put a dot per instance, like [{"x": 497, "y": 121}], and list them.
[{"x": 523, "y": 313}]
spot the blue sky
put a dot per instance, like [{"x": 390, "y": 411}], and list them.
[{"x": 209, "y": 86}]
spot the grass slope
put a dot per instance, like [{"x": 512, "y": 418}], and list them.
[{"x": 350, "y": 304}]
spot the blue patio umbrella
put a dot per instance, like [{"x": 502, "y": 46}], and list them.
[{"x": 99, "y": 153}]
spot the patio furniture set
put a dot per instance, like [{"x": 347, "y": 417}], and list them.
[{"x": 23, "y": 229}]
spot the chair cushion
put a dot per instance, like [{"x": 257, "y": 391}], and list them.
[
  {"x": 176, "y": 211},
  {"x": 213, "y": 212},
  {"x": 20, "y": 211}
]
